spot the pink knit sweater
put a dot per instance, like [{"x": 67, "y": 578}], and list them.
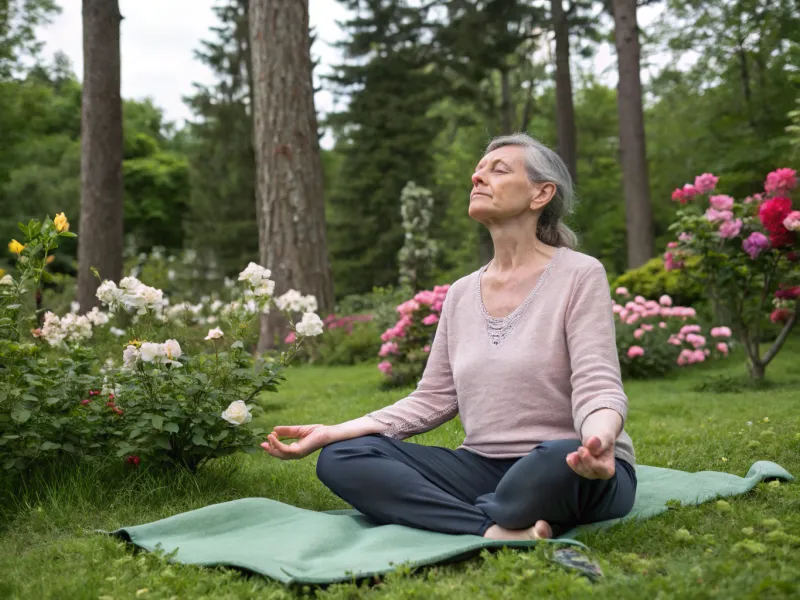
[{"x": 519, "y": 380}]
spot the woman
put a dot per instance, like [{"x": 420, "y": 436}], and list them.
[{"x": 525, "y": 352}]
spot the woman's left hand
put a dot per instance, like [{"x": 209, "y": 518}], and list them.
[{"x": 594, "y": 459}]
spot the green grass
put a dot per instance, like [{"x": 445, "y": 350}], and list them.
[{"x": 696, "y": 420}]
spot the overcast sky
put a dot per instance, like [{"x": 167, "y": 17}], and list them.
[{"x": 158, "y": 38}]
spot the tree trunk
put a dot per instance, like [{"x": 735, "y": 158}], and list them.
[
  {"x": 635, "y": 180},
  {"x": 289, "y": 185},
  {"x": 100, "y": 241},
  {"x": 565, "y": 111}
]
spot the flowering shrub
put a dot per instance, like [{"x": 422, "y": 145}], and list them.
[
  {"x": 407, "y": 344},
  {"x": 419, "y": 250},
  {"x": 655, "y": 337},
  {"x": 152, "y": 402},
  {"x": 747, "y": 257}
]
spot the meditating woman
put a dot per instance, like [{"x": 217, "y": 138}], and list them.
[{"x": 525, "y": 352}]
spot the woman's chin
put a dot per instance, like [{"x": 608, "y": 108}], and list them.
[{"x": 479, "y": 211}]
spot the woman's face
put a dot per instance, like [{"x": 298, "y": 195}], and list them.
[{"x": 501, "y": 189}]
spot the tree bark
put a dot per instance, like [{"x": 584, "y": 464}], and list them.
[
  {"x": 565, "y": 110},
  {"x": 289, "y": 184},
  {"x": 635, "y": 179},
  {"x": 100, "y": 242},
  {"x": 505, "y": 102}
]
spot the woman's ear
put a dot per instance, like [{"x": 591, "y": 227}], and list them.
[{"x": 544, "y": 194}]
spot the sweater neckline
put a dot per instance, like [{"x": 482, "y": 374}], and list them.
[{"x": 499, "y": 328}]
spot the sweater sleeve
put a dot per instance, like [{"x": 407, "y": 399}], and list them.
[
  {"x": 592, "y": 344},
  {"x": 433, "y": 402}
]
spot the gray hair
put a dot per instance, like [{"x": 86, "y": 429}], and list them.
[{"x": 544, "y": 165}]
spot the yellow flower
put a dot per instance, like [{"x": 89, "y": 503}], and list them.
[
  {"x": 135, "y": 343},
  {"x": 15, "y": 247},
  {"x": 61, "y": 222},
  {"x": 2, "y": 272},
  {"x": 50, "y": 259}
]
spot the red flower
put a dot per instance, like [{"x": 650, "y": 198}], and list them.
[
  {"x": 118, "y": 410},
  {"x": 110, "y": 403},
  {"x": 791, "y": 293},
  {"x": 772, "y": 213},
  {"x": 133, "y": 460},
  {"x": 780, "y": 315},
  {"x": 85, "y": 402}
]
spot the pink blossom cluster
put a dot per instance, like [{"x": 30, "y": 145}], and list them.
[
  {"x": 424, "y": 308},
  {"x": 664, "y": 316}
]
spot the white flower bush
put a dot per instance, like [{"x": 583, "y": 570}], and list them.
[
  {"x": 419, "y": 250},
  {"x": 69, "y": 328}
]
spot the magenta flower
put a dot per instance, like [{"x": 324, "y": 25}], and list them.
[
  {"x": 723, "y": 347},
  {"x": 427, "y": 348},
  {"x": 388, "y": 348},
  {"x": 431, "y": 319},
  {"x": 730, "y": 229},
  {"x": 385, "y": 367},
  {"x": 755, "y": 243}
]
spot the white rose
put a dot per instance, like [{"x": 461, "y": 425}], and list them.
[
  {"x": 310, "y": 326},
  {"x": 130, "y": 356},
  {"x": 310, "y": 303},
  {"x": 214, "y": 334},
  {"x": 117, "y": 331},
  {"x": 237, "y": 413},
  {"x": 150, "y": 352},
  {"x": 172, "y": 349}
]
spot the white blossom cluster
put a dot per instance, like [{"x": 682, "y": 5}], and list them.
[
  {"x": 150, "y": 352},
  {"x": 310, "y": 326},
  {"x": 131, "y": 295},
  {"x": 259, "y": 280},
  {"x": 416, "y": 209},
  {"x": 294, "y": 301},
  {"x": 69, "y": 328}
]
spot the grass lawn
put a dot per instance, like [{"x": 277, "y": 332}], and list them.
[{"x": 48, "y": 549}]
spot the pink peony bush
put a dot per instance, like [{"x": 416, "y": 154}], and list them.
[
  {"x": 407, "y": 344},
  {"x": 748, "y": 258},
  {"x": 654, "y": 337}
]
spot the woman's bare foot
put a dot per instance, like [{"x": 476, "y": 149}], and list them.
[{"x": 540, "y": 531}]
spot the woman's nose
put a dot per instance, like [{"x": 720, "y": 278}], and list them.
[{"x": 477, "y": 178}]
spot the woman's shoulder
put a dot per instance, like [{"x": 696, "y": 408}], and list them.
[{"x": 579, "y": 264}]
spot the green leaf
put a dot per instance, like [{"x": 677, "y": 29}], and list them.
[
  {"x": 52, "y": 401},
  {"x": 237, "y": 344},
  {"x": 20, "y": 415},
  {"x": 199, "y": 440},
  {"x": 158, "y": 421},
  {"x": 49, "y": 446},
  {"x": 221, "y": 435},
  {"x": 95, "y": 273},
  {"x": 67, "y": 234},
  {"x": 162, "y": 441},
  {"x": 171, "y": 427}
]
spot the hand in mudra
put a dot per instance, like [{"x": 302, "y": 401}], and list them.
[
  {"x": 594, "y": 459},
  {"x": 310, "y": 438}
]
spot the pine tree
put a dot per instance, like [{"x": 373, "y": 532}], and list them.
[{"x": 222, "y": 207}]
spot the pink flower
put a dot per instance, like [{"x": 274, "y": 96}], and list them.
[
  {"x": 638, "y": 333},
  {"x": 713, "y": 215},
  {"x": 788, "y": 293},
  {"x": 635, "y": 351},
  {"x": 624, "y": 314},
  {"x": 699, "y": 355},
  {"x": 705, "y": 183},
  {"x": 780, "y": 315},
  {"x": 723, "y": 347},
  {"x": 755, "y": 243},
  {"x": 427, "y": 348},
  {"x": 632, "y": 319},
  {"x": 662, "y": 325},
  {"x": 792, "y": 221},
  {"x": 670, "y": 264},
  {"x": 698, "y": 341},
  {"x": 730, "y": 229},
  {"x": 780, "y": 180},
  {"x": 388, "y": 348},
  {"x": 720, "y": 332},
  {"x": 652, "y": 305},
  {"x": 721, "y": 202},
  {"x": 674, "y": 340},
  {"x": 408, "y": 307},
  {"x": 621, "y": 291},
  {"x": 665, "y": 300},
  {"x": 437, "y": 305},
  {"x": 431, "y": 319},
  {"x": 85, "y": 402},
  {"x": 687, "y": 329},
  {"x": 677, "y": 196},
  {"x": 291, "y": 338},
  {"x": 617, "y": 308},
  {"x": 385, "y": 367},
  {"x": 689, "y": 191},
  {"x": 646, "y": 327},
  {"x": 672, "y": 245},
  {"x": 685, "y": 237}
]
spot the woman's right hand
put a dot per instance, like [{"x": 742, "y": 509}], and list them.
[{"x": 310, "y": 438}]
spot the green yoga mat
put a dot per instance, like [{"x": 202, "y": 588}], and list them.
[{"x": 299, "y": 546}]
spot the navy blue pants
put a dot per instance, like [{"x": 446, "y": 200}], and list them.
[{"x": 456, "y": 491}]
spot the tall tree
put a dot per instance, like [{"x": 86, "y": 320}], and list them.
[
  {"x": 289, "y": 179},
  {"x": 101, "y": 241},
  {"x": 221, "y": 220},
  {"x": 565, "y": 108},
  {"x": 633, "y": 149}
]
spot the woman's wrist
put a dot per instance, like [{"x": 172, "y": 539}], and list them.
[{"x": 605, "y": 423}]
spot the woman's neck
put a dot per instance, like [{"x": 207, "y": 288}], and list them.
[{"x": 516, "y": 247}]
